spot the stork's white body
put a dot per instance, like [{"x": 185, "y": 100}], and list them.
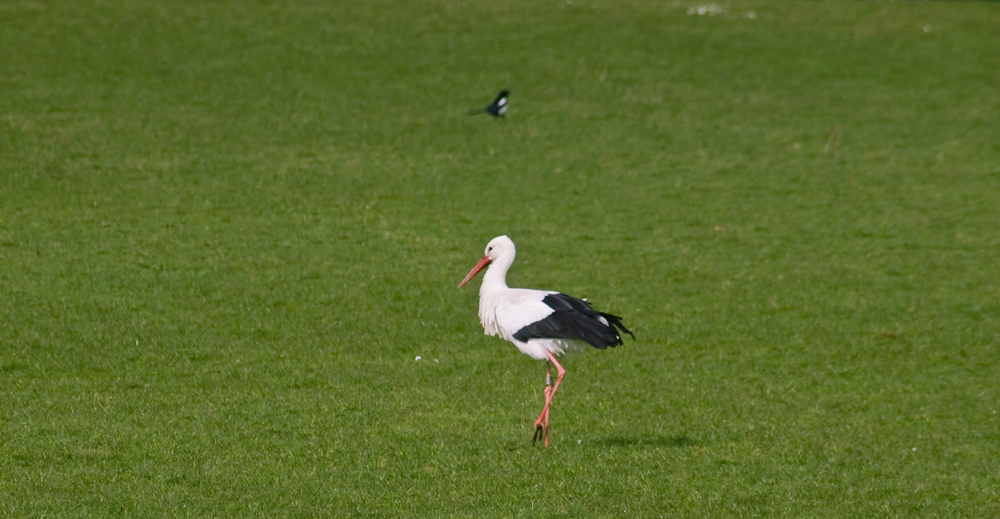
[{"x": 503, "y": 311}]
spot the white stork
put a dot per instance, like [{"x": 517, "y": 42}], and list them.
[{"x": 541, "y": 323}]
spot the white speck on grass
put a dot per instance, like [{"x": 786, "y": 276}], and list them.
[
  {"x": 914, "y": 449},
  {"x": 752, "y": 15},
  {"x": 709, "y": 9},
  {"x": 927, "y": 28},
  {"x": 418, "y": 357}
]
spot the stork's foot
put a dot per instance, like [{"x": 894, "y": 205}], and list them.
[
  {"x": 542, "y": 423},
  {"x": 540, "y": 432}
]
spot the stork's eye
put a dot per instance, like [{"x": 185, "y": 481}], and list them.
[{"x": 489, "y": 250}]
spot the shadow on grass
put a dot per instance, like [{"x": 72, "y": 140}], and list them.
[{"x": 676, "y": 441}]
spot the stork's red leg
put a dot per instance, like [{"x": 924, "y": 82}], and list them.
[
  {"x": 545, "y": 424},
  {"x": 542, "y": 424}
]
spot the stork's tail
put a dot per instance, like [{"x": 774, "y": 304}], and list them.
[{"x": 615, "y": 323}]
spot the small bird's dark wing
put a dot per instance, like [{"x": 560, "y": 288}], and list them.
[
  {"x": 574, "y": 319},
  {"x": 499, "y": 105},
  {"x": 497, "y": 108},
  {"x": 502, "y": 96}
]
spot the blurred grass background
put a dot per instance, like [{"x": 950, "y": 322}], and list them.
[{"x": 228, "y": 228}]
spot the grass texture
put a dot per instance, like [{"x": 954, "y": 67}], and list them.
[{"x": 227, "y": 229}]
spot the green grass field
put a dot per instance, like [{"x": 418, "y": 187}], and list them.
[{"x": 228, "y": 228}]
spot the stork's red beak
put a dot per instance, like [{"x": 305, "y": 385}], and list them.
[{"x": 475, "y": 270}]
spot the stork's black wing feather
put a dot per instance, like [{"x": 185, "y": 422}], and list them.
[{"x": 575, "y": 319}]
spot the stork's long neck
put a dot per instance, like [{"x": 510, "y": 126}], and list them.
[
  {"x": 495, "y": 278},
  {"x": 494, "y": 284}
]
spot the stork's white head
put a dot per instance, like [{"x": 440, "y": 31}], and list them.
[{"x": 500, "y": 249}]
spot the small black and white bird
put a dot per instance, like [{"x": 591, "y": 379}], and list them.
[
  {"x": 541, "y": 323},
  {"x": 497, "y": 108}
]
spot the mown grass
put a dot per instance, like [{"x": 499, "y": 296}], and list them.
[{"x": 228, "y": 228}]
